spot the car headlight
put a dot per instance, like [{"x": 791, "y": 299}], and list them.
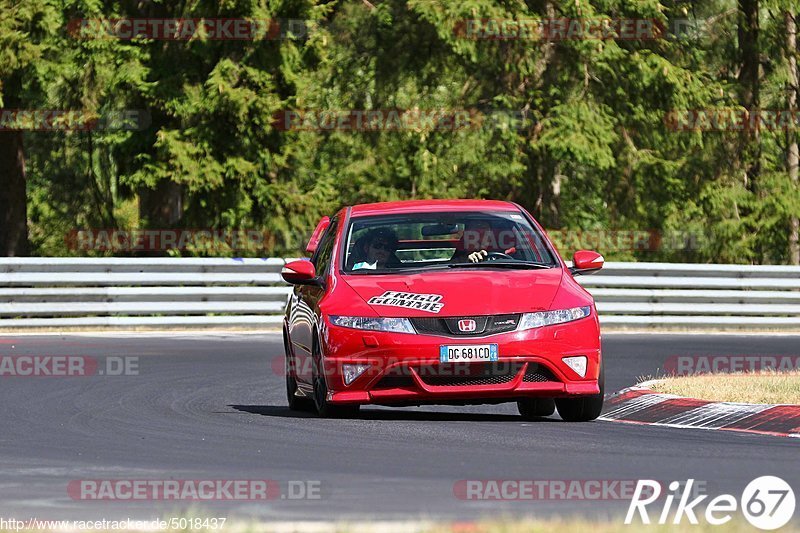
[
  {"x": 548, "y": 318},
  {"x": 395, "y": 325}
]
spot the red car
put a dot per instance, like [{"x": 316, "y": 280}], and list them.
[{"x": 444, "y": 302}]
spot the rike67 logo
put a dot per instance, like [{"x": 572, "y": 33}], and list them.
[{"x": 767, "y": 502}]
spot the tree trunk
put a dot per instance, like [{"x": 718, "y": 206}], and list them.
[
  {"x": 13, "y": 198},
  {"x": 792, "y": 156},
  {"x": 749, "y": 85},
  {"x": 162, "y": 207}
]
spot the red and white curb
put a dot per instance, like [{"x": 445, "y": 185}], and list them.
[{"x": 641, "y": 405}]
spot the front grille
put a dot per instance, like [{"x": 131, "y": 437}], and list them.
[
  {"x": 452, "y": 375},
  {"x": 394, "y": 382},
  {"x": 484, "y": 325},
  {"x": 445, "y": 381},
  {"x": 538, "y": 374},
  {"x": 458, "y": 374},
  {"x": 395, "y": 378}
]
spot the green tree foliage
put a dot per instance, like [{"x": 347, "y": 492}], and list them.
[{"x": 581, "y": 132}]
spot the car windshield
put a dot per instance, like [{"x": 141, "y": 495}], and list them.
[{"x": 439, "y": 241}]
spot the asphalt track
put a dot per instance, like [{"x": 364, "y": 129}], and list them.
[{"x": 211, "y": 407}]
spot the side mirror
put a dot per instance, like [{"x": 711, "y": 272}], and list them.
[
  {"x": 586, "y": 262},
  {"x": 299, "y": 273},
  {"x": 313, "y": 242}
]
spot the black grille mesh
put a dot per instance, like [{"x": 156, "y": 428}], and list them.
[
  {"x": 454, "y": 381},
  {"x": 471, "y": 374},
  {"x": 458, "y": 374},
  {"x": 394, "y": 382},
  {"x": 537, "y": 374}
]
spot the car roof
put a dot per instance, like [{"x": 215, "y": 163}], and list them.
[{"x": 430, "y": 206}]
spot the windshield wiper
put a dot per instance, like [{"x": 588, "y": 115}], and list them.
[
  {"x": 522, "y": 265},
  {"x": 503, "y": 264},
  {"x": 439, "y": 266},
  {"x": 400, "y": 269}
]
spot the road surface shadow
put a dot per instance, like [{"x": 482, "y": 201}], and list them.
[{"x": 282, "y": 411}]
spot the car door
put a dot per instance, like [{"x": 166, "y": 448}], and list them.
[{"x": 307, "y": 313}]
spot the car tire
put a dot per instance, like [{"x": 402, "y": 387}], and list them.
[
  {"x": 582, "y": 409},
  {"x": 324, "y": 408},
  {"x": 533, "y": 408},
  {"x": 296, "y": 403}
]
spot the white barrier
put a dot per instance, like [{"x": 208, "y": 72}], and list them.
[
  {"x": 696, "y": 295},
  {"x": 88, "y": 292},
  {"x": 84, "y": 292}
]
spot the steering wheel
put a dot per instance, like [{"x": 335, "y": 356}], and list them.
[{"x": 494, "y": 256}]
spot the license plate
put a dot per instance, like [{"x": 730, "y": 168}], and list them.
[{"x": 468, "y": 353}]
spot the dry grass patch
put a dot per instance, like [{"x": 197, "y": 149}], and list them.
[{"x": 762, "y": 387}]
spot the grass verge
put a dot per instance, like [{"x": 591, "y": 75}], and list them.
[{"x": 762, "y": 387}]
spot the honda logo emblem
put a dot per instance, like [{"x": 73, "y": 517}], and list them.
[{"x": 466, "y": 325}]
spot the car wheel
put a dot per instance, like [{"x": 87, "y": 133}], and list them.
[
  {"x": 582, "y": 409},
  {"x": 324, "y": 408},
  {"x": 296, "y": 403},
  {"x": 532, "y": 408}
]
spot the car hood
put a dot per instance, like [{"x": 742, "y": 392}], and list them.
[{"x": 458, "y": 293}]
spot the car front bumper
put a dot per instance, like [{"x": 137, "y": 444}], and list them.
[{"x": 405, "y": 368}]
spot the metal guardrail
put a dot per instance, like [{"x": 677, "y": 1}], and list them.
[
  {"x": 696, "y": 295},
  {"x": 81, "y": 292},
  {"x": 130, "y": 292}
]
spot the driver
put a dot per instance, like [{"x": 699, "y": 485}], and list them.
[{"x": 472, "y": 240}]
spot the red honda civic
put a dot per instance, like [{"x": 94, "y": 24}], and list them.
[{"x": 441, "y": 302}]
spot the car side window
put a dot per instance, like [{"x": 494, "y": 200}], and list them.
[{"x": 322, "y": 258}]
